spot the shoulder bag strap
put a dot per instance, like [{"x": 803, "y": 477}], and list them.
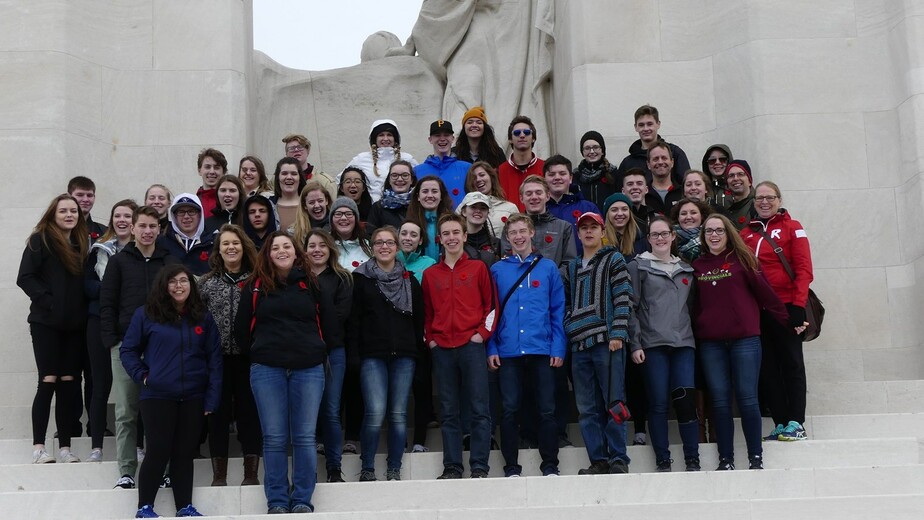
[
  {"x": 520, "y": 279},
  {"x": 779, "y": 252}
]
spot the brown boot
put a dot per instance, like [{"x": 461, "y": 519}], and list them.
[
  {"x": 219, "y": 471},
  {"x": 251, "y": 468}
]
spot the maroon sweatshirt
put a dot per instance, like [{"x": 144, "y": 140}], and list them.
[{"x": 729, "y": 298}]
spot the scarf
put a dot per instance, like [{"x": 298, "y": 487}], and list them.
[
  {"x": 394, "y": 286},
  {"x": 592, "y": 172},
  {"x": 688, "y": 243},
  {"x": 392, "y": 200}
]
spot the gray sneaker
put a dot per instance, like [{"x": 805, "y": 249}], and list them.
[
  {"x": 367, "y": 475},
  {"x": 95, "y": 456},
  {"x": 42, "y": 457},
  {"x": 67, "y": 457},
  {"x": 393, "y": 474}
]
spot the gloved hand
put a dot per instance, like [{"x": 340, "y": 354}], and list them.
[{"x": 796, "y": 315}]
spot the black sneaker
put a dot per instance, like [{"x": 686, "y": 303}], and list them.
[
  {"x": 166, "y": 483},
  {"x": 692, "y": 464},
  {"x": 125, "y": 482},
  {"x": 367, "y": 475},
  {"x": 513, "y": 471},
  {"x": 755, "y": 462},
  {"x": 597, "y": 467},
  {"x": 664, "y": 466},
  {"x": 334, "y": 475},
  {"x": 479, "y": 473},
  {"x": 618, "y": 467},
  {"x": 726, "y": 465},
  {"x": 450, "y": 474}
]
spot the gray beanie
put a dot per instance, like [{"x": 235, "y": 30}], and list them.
[{"x": 345, "y": 202}]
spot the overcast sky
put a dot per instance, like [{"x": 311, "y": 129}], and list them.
[{"x": 322, "y": 34}]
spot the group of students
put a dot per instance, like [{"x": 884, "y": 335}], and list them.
[{"x": 283, "y": 308}]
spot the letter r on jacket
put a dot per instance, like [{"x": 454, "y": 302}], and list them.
[{"x": 775, "y": 234}]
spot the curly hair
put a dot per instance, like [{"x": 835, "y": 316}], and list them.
[{"x": 161, "y": 307}]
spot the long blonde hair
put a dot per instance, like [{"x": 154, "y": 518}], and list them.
[
  {"x": 624, "y": 242},
  {"x": 302, "y": 219}
]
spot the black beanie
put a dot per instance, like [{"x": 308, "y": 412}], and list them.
[
  {"x": 377, "y": 129},
  {"x": 593, "y": 135}
]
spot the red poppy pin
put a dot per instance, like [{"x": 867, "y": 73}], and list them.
[
  {"x": 240, "y": 285},
  {"x": 741, "y": 220},
  {"x": 463, "y": 276},
  {"x": 575, "y": 213},
  {"x": 548, "y": 239},
  {"x": 535, "y": 283},
  {"x": 726, "y": 265},
  {"x": 486, "y": 247},
  {"x": 685, "y": 281},
  {"x": 406, "y": 275},
  {"x": 94, "y": 235},
  {"x": 504, "y": 219},
  {"x": 727, "y": 192},
  {"x": 455, "y": 191},
  {"x": 302, "y": 284},
  {"x": 355, "y": 263},
  {"x": 670, "y": 188},
  {"x": 204, "y": 256},
  {"x": 198, "y": 330},
  {"x": 604, "y": 180}
]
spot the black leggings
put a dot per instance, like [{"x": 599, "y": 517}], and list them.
[
  {"x": 782, "y": 371},
  {"x": 237, "y": 394},
  {"x": 101, "y": 368},
  {"x": 351, "y": 402},
  {"x": 57, "y": 353},
  {"x": 172, "y": 429},
  {"x": 423, "y": 397}
]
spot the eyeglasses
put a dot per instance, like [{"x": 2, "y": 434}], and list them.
[
  {"x": 400, "y": 175},
  {"x": 342, "y": 214},
  {"x": 713, "y": 160},
  {"x": 714, "y": 231},
  {"x": 353, "y": 181},
  {"x": 297, "y": 148},
  {"x": 175, "y": 283},
  {"x": 732, "y": 175},
  {"x": 766, "y": 198},
  {"x": 525, "y": 131},
  {"x": 381, "y": 243},
  {"x": 591, "y": 149},
  {"x": 186, "y": 212},
  {"x": 662, "y": 234}
]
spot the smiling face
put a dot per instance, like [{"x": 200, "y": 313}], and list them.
[
  {"x": 249, "y": 175},
  {"x": 520, "y": 237},
  {"x": 635, "y": 187},
  {"x": 694, "y": 187},
  {"x": 399, "y": 178},
  {"x": 689, "y": 216},
  {"x": 384, "y": 247},
  {"x": 647, "y": 129},
  {"x": 145, "y": 231},
  {"x": 766, "y": 201},
  {"x": 660, "y": 236},
  {"x": 228, "y": 195},
  {"x": 442, "y": 143},
  {"x": 315, "y": 204},
  {"x": 409, "y": 237},
  {"x": 738, "y": 182},
  {"x": 282, "y": 254},
  {"x": 618, "y": 215},
  {"x": 524, "y": 141},
  {"x": 342, "y": 222},
  {"x": 559, "y": 179},
  {"x": 476, "y": 214},
  {"x": 592, "y": 151},
  {"x": 429, "y": 195},
  {"x": 352, "y": 185},
  {"x": 384, "y": 139},
  {"x": 179, "y": 287},
  {"x": 318, "y": 252},
  {"x": 231, "y": 250},
  {"x": 258, "y": 215},
  {"x": 715, "y": 235},
  {"x": 474, "y": 127},
  {"x": 187, "y": 219},
  {"x": 453, "y": 237},
  {"x": 66, "y": 213},
  {"x": 717, "y": 161},
  {"x": 122, "y": 222},
  {"x": 660, "y": 163},
  {"x": 534, "y": 196},
  {"x": 482, "y": 181},
  {"x": 288, "y": 179},
  {"x": 210, "y": 171},
  {"x": 157, "y": 198},
  {"x": 85, "y": 199}
]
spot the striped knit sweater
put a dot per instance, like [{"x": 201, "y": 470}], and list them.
[{"x": 597, "y": 299}]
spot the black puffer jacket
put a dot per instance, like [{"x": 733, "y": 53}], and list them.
[
  {"x": 126, "y": 284},
  {"x": 57, "y": 295},
  {"x": 377, "y": 329}
]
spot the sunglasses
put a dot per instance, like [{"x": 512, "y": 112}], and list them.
[{"x": 526, "y": 131}]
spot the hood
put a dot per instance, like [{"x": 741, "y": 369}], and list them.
[
  {"x": 382, "y": 124},
  {"x": 440, "y": 163},
  {"x": 542, "y": 218},
  {"x": 197, "y": 202},
  {"x": 709, "y": 150},
  {"x": 271, "y": 226}
]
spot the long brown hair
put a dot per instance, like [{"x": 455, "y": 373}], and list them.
[
  {"x": 265, "y": 269},
  {"x": 110, "y": 231},
  {"x": 417, "y": 214},
  {"x": 488, "y": 149},
  {"x": 263, "y": 183},
  {"x": 333, "y": 261},
  {"x": 160, "y": 306},
  {"x": 496, "y": 189},
  {"x": 735, "y": 242},
  {"x": 217, "y": 263},
  {"x": 71, "y": 252}
]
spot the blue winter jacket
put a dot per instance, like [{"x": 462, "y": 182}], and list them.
[
  {"x": 181, "y": 361},
  {"x": 533, "y": 320},
  {"x": 451, "y": 170},
  {"x": 571, "y": 206}
]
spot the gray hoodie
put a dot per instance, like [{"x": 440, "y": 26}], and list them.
[{"x": 660, "y": 314}]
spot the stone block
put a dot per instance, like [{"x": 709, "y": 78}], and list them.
[
  {"x": 868, "y": 397},
  {"x": 215, "y": 28},
  {"x": 872, "y": 426},
  {"x": 905, "y": 299},
  {"x": 911, "y": 131},
  {"x": 842, "y": 508},
  {"x": 833, "y": 365},
  {"x": 612, "y": 31},
  {"x": 883, "y": 149},
  {"x": 904, "y": 396},
  {"x": 881, "y": 16}
]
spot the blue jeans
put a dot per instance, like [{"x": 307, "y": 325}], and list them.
[
  {"x": 331, "y": 430},
  {"x": 512, "y": 374},
  {"x": 666, "y": 369},
  {"x": 386, "y": 386},
  {"x": 592, "y": 370},
  {"x": 454, "y": 369},
  {"x": 734, "y": 365},
  {"x": 288, "y": 402}
]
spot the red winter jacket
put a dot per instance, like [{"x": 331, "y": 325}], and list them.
[
  {"x": 458, "y": 302},
  {"x": 510, "y": 178},
  {"x": 789, "y": 235}
]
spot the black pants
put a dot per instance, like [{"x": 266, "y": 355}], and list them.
[
  {"x": 423, "y": 397},
  {"x": 636, "y": 398},
  {"x": 101, "y": 368},
  {"x": 57, "y": 353},
  {"x": 236, "y": 396},
  {"x": 172, "y": 429},
  {"x": 351, "y": 402},
  {"x": 782, "y": 372}
]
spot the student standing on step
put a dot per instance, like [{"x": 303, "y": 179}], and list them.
[
  {"x": 172, "y": 350},
  {"x": 51, "y": 274}
]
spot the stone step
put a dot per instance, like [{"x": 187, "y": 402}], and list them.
[
  {"x": 427, "y": 466},
  {"x": 738, "y": 494}
]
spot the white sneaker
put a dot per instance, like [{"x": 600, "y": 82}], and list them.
[
  {"x": 42, "y": 457},
  {"x": 67, "y": 457},
  {"x": 95, "y": 456},
  {"x": 419, "y": 448},
  {"x": 140, "y": 454}
]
